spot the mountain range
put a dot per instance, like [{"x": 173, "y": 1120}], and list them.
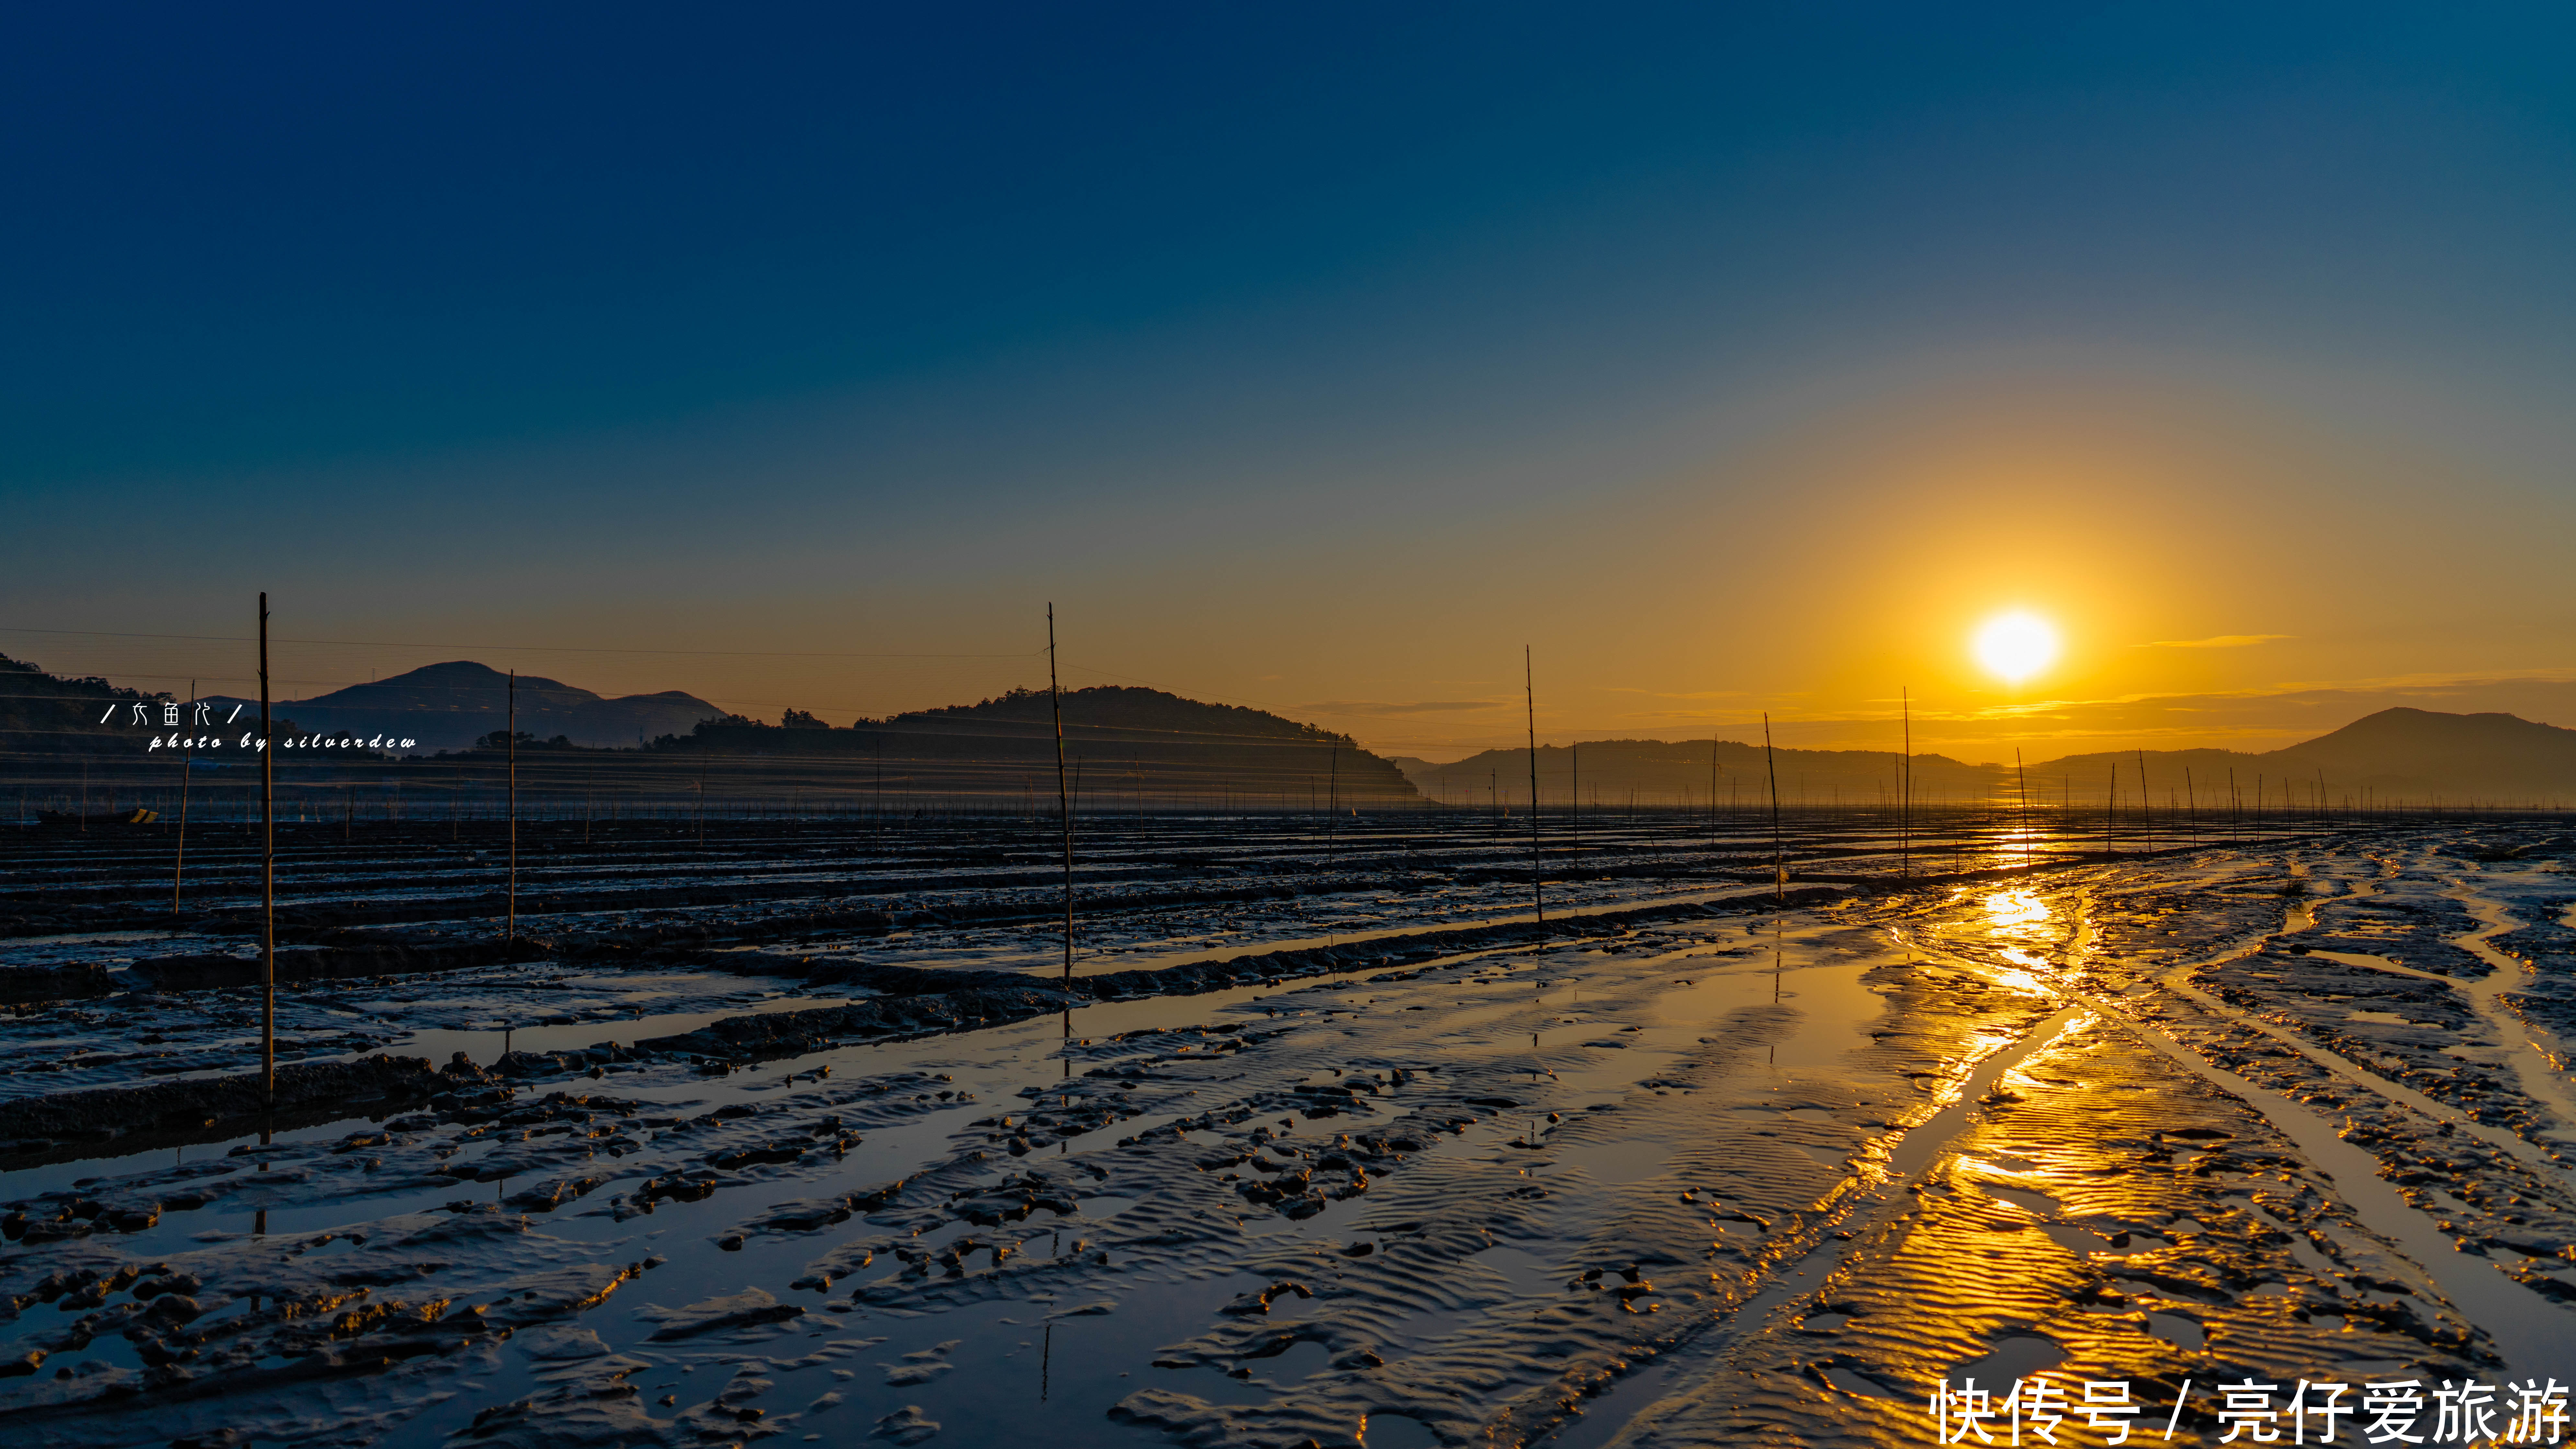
[
  {"x": 1158, "y": 746},
  {"x": 2397, "y": 756},
  {"x": 450, "y": 706}
]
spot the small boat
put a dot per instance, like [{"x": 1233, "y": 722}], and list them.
[{"x": 113, "y": 817}]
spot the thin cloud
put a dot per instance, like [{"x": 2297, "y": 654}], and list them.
[
  {"x": 2216, "y": 641},
  {"x": 2425, "y": 684},
  {"x": 1382, "y": 707},
  {"x": 2433, "y": 682},
  {"x": 1691, "y": 694}
]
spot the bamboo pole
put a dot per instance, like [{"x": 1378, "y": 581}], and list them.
[
  {"x": 1779, "y": 861},
  {"x": 1529, "y": 699},
  {"x": 1712, "y": 792},
  {"x": 1064, "y": 802},
  {"x": 2146, "y": 806},
  {"x": 1332, "y": 802},
  {"x": 510, "y": 728},
  {"x": 2024, "y": 777},
  {"x": 1904, "y": 787},
  {"x": 267, "y": 874},
  {"x": 187, "y": 768}
]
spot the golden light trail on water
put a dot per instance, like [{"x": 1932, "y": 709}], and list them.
[{"x": 2022, "y": 919}]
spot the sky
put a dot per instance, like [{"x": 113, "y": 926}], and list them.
[{"x": 1732, "y": 360}]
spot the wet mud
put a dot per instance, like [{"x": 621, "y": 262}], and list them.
[{"x": 1694, "y": 1168}]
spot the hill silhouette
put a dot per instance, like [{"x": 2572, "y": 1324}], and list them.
[
  {"x": 1156, "y": 748},
  {"x": 1150, "y": 746},
  {"x": 449, "y": 706},
  {"x": 52, "y": 716},
  {"x": 1613, "y": 774},
  {"x": 2396, "y": 756}
]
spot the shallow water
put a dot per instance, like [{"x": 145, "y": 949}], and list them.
[{"x": 1692, "y": 1183}]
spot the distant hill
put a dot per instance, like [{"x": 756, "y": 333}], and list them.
[
  {"x": 1612, "y": 774},
  {"x": 1153, "y": 749},
  {"x": 52, "y": 716},
  {"x": 2392, "y": 757},
  {"x": 1141, "y": 745},
  {"x": 449, "y": 706}
]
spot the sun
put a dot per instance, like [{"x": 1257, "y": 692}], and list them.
[{"x": 2015, "y": 646}]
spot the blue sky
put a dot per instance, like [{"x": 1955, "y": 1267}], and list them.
[{"x": 1308, "y": 357}]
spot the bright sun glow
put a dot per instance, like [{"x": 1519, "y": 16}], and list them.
[{"x": 2016, "y": 646}]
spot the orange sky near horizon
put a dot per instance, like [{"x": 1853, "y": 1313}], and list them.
[
  {"x": 2222, "y": 569},
  {"x": 1732, "y": 360}
]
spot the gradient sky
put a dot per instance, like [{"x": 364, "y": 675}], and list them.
[{"x": 1734, "y": 358}]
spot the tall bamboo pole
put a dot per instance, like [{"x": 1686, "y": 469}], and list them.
[
  {"x": 1332, "y": 802},
  {"x": 187, "y": 769},
  {"x": 510, "y": 727},
  {"x": 2024, "y": 776},
  {"x": 1779, "y": 861},
  {"x": 1529, "y": 698},
  {"x": 267, "y": 873},
  {"x": 1905, "y": 790},
  {"x": 1063, "y": 801},
  {"x": 1712, "y": 792},
  {"x": 2146, "y": 806}
]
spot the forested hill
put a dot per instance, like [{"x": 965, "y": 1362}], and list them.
[
  {"x": 47, "y": 717},
  {"x": 1154, "y": 746}
]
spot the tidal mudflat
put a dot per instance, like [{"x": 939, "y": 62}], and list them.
[{"x": 1394, "y": 1164}]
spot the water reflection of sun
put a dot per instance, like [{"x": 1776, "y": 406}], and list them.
[
  {"x": 2015, "y": 912},
  {"x": 2022, "y": 918}
]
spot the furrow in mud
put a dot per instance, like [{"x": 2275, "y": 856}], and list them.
[{"x": 1661, "y": 1175}]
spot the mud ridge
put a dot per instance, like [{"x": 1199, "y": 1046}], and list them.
[
  {"x": 100, "y": 1113},
  {"x": 911, "y": 1006},
  {"x": 53, "y": 983}
]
